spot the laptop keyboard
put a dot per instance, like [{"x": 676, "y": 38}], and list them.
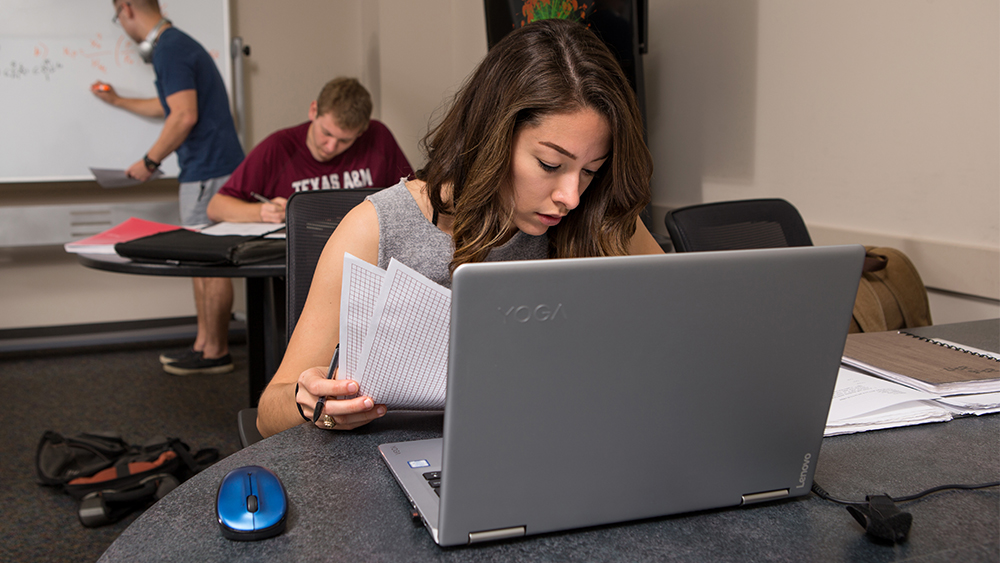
[{"x": 434, "y": 480}]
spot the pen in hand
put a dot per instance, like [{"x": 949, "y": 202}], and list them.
[
  {"x": 318, "y": 411},
  {"x": 260, "y": 198}
]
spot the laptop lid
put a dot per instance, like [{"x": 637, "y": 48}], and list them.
[{"x": 589, "y": 391}]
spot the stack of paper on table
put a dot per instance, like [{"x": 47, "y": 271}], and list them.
[
  {"x": 910, "y": 381},
  {"x": 224, "y": 228},
  {"x": 862, "y": 403},
  {"x": 104, "y": 242},
  {"x": 394, "y": 334}
]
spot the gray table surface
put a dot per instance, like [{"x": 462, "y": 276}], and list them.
[{"x": 345, "y": 506}]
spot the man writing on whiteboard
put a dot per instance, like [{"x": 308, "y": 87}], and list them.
[{"x": 198, "y": 126}]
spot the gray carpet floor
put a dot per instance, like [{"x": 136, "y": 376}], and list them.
[{"x": 125, "y": 391}]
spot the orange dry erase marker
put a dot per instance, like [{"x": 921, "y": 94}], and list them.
[{"x": 101, "y": 87}]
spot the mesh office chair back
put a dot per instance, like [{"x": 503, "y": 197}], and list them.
[
  {"x": 310, "y": 219},
  {"x": 736, "y": 225}
]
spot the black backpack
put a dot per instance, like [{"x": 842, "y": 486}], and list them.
[{"x": 112, "y": 478}]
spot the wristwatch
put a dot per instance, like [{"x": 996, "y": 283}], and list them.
[{"x": 151, "y": 164}]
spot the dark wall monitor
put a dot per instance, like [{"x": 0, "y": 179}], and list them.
[{"x": 621, "y": 24}]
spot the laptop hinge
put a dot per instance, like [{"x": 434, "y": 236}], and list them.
[
  {"x": 500, "y": 534},
  {"x": 765, "y": 496}
]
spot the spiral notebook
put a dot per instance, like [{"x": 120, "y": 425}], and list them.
[
  {"x": 940, "y": 367},
  {"x": 982, "y": 335}
]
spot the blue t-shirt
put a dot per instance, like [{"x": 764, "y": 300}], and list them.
[{"x": 212, "y": 149}]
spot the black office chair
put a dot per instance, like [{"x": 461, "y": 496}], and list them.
[
  {"x": 310, "y": 219},
  {"x": 736, "y": 225},
  {"x": 246, "y": 422}
]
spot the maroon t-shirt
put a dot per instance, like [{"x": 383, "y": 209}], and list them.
[{"x": 282, "y": 165}]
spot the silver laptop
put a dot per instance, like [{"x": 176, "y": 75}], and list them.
[{"x": 589, "y": 391}]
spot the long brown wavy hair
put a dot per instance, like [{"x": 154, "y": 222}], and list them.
[{"x": 544, "y": 68}]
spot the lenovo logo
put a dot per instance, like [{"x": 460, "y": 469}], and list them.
[
  {"x": 805, "y": 471},
  {"x": 526, "y": 313}
]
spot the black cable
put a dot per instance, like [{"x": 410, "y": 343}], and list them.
[
  {"x": 946, "y": 487},
  {"x": 821, "y": 493},
  {"x": 881, "y": 519}
]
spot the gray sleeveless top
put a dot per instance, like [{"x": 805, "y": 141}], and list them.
[{"x": 406, "y": 235}]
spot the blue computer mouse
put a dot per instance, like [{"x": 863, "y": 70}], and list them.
[{"x": 251, "y": 504}]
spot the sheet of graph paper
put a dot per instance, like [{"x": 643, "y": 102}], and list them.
[
  {"x": 404, "y": 360},
  {"x": 359, "y": 292}
]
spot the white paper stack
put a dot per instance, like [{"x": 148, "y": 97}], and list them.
[{"x": 863, "y": 402}]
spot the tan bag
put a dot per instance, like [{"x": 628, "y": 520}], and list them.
[{"x": 891, "y": 294}]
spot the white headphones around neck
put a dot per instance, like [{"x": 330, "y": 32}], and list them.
[{"x": 149, "y": 43}]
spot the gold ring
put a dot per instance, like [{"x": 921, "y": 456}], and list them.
[{"x": 328, "y": 421}]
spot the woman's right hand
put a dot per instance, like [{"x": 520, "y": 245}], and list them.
[{"x": 344, "y": 414}]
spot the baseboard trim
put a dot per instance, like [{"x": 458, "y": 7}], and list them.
[{"x": 101, "y": 335}]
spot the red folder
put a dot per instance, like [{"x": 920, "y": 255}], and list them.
[{"x": 104, "y": 242}]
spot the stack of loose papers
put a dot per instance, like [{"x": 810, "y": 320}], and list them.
[
  {"x": 892, "y": 379},
  {"x": 394, "y": 331},
  {"x": 116, "y": 178},
  {"x": 225, "y": 228},
  {"x": 862, "y": 402}
]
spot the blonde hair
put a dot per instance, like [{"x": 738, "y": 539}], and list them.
[{"x": 348, "y": 101}]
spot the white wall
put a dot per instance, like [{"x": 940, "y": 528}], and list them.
[
  {"x": 410, "y": 55},
  {"x": 426, "y": 49},
  {"x": 295, "y": 48},
  {"x": 877, "y": 119}
]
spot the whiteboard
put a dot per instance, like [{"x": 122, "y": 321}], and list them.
[{"x": 52, "y": 128}]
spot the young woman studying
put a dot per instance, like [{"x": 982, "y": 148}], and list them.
[{"x": 541, "y": 155}]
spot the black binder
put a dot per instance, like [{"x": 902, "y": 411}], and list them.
[{"x": 182, "y": 246}]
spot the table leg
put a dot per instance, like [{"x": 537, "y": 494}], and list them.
[
  {"x": 274, "y": 326},
  {"x": 256, "y": 347},
  {"x": 265, "y": 331}
]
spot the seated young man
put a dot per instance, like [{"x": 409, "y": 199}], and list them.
[{"x": 340, "y": 147}]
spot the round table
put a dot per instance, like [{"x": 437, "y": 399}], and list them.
[{"x": 346, "y": 506}]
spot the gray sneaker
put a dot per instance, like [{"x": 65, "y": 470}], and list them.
[
  {"x": 200, "y": 366},
  {"x": 171, "y": 357}
]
